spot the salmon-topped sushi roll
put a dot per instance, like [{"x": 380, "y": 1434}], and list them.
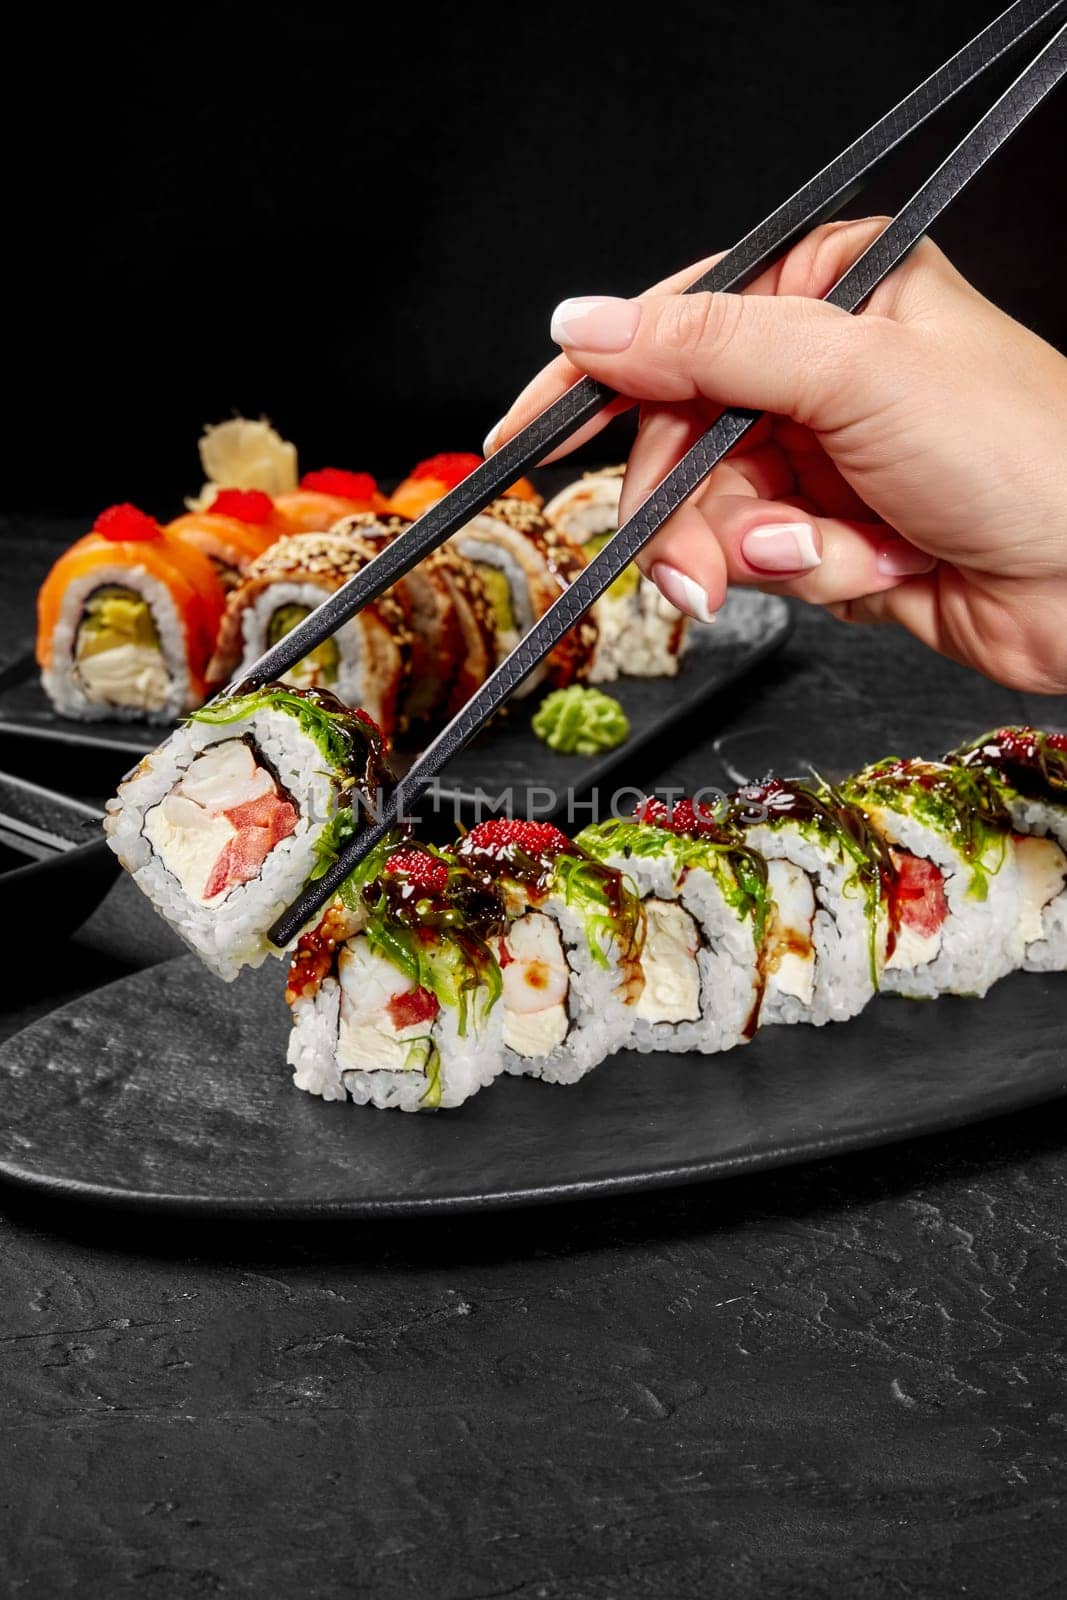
[
  {"x": 127, "y": 620},
  {"x": 232, "y": 531},
  {"x": 324, "y": 497},
  {"x": 432, "y": 479}
]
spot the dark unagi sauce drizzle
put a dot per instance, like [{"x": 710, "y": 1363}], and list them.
[
  {"x": 822, "y": 807},
  {"x": 1032, "y": 762}
]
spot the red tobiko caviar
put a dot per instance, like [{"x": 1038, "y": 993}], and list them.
[
  {"x": 536, "y": 838},
  {"x": 683, "y": 816},
  {"x": 423, "y": 871},
  {"x": 365, "y": 716},
  {"x": 125, "y": 523},
  {"x": 448, "y": 468},
  {"x": 247, "y": 505},
  {"x": 336, "y": 481}
]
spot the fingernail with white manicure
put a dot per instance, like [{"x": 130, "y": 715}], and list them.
[
  {"x": 781, "y": 547},
  {"x": 488, "y": 441},
  {"x": 599, "y": 323},
  {"x": 682, "y": 591}
]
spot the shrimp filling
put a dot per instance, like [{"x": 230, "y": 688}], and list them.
[
  {"x": 383, "y": 1013},
  {"x": 790, "y": 953},
  {"x": 536, "y": 982},
  {"x": 669, "y": 963},
  {"x": 219, "y": 823},
  {"x": 117, "y": 653}
]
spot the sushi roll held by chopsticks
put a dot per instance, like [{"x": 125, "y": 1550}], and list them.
[
  {"x": 126, "y": 622},
  {"x": 227, "y": 820}
]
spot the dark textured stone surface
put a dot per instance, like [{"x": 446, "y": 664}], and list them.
[{"x": 838, "y": 1380}]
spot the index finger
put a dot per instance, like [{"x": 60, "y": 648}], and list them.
[{"x": 560, "y": 375}]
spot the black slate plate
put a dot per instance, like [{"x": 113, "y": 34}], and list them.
[
  {"x": 507, "y": 758},
  {"x": 169, "y": 1091}
]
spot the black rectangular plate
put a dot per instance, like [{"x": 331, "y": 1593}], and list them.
[{"x": 507, "y": 757}]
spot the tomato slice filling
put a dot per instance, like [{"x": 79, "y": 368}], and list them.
[{"x": 261, "y": 824}]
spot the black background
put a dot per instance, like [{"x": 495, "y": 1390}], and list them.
[{"x": 358, "y": 223}]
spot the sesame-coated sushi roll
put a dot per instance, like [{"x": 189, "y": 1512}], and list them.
[
  {"x": 127, "y": 620},
  {"x": 1028, "y": 768},
  {"x": 238, "y": 526},
  {"x": 364, "y": 663},
  {"x": 640, "y": 634},
  {"x": 570, "y": 959},
  {"x": 395, "y": 995},
  {"x": 525, "y": 564},
  {"x": 225, "y": 823},
  {"x": 706, "y": 903},
  {"x": 430, "y": 614},
  {"x": 324, "y": 497},
  {"x": 829, "y": 875},
  {"x": 432, "y": 479},
  {"x": 954, "y": 914}
]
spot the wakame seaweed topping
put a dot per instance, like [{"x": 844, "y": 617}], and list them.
[
  {"x": 350, "y": 741},
  {"x": 741, "y": 873},
  {"x": 432, "y": 919},
  {"x": 540, "y": 860},
  {"x": 959, "y": 802},
  {"x": 1027, "y": 760},
  {"x": 831, "y": 813}
]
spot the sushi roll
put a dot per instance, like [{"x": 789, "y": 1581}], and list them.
[
  {"x": 954, "y": 904},
  {"x": 365, "y": 662},
  {"x": 323, "y": 498},
  {"x": 474, "y": 616},
  {"x": 640, "y": 634},
  {"x": 706, "y": 904},
  {"x": 237, "y": 526},
  {"x": 224, "y": 824},
  {"x": 244, "y": 453},
  {"x": 395, "y": 994},
  {"x": 432, "y": 479},
  {"x": 828, "y": 875},
  {"x": 126, "y": 622},
  {"x": 1028, "y": 769},
  {"x": 525, "y": 565},
  {"x": 570, "y": 958},
  {"x": 430, "y": 615}
]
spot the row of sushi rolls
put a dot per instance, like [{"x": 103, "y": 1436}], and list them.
[
  {"x": 684, "y": 927},
  {"x": 143, "y": 620}
]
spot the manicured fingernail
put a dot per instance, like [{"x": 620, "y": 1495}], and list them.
[
  {"x": 781, "y": 547},
  {"x": 901, "y": 560},
  {"x": 599, "y": 323},
  {"x": 682, "y": 591},
  {"x": 487, "y": 442}
]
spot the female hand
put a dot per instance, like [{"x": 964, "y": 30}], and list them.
[{"x": 913, "y": 467}]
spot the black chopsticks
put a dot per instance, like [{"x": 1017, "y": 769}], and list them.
[
  {"x": 849, "y": 293},
  {"x": 819, "y": 199}
]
